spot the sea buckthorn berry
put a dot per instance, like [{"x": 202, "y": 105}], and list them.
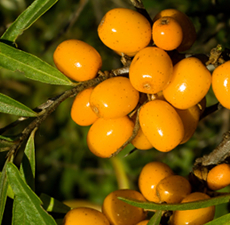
[
  {"x": 144, "y": 222},
  {"x": 167, "y": 33},
  {"x": 221, "y": 84},
  {"x": 190, "y": 119},
  {"x": 218, "y": 177},
  {"x": 141, "y": 141},
  {"x": 81, "y": 112},
  {"x": 190, "y": 82},
  {"x": 189, "y": 31},
  {"x": 85, "y": 216},
  {"x": 120, "y": 213},
  {"x": 161, "y": 124},
  {"x": 150, "y": 70},
  {"x": 114, "y": 97},
  {"x": 194, "y": 216},
  {"x": 106, "y": 136},
  {"x": 124, "y": 30},
  {"x": 77, "y": 60},
  {"x": 151, "y": 174},
  {"x": 173, "y": 189}
]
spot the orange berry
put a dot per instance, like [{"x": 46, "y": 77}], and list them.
[
  {"x": 143, "y": 222},
  {"x": 114, "y": 97},
  {"x": 190, "y": 82},
  {"x": 120, "y": 213},
  {"x": 167, "y": 33},
  {"x": 189, "y": 32},
  {"x": 190, "y": 119},
  {"x": 105, "y": 136},
  {"x": 218, "y": 177},
  {"x": 150, "y": 70},
  {"x": 81, "y": 112},
  {"x": 151, "y": 174},
  {"x": 85, "y": 216},
  {"x": 195, "y": 216},
  {"x": 161, "y": 124},
  {"x": 173, "y": 189},
  {"x": 77, "y": 60},
  {"x": 221, "y": 84},
  {"x": 141, "y": 141},
  {"x": 124, "y": 30}
]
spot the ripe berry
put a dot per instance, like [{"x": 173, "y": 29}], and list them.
[
  {"x": 114, "y": 97},
  {"x": 173, "y": 189},
  {"x": 161, "y": 124},
  {"x": 189, "y": 84},
  {"x": 151, "y": 174},
  {"x": 77, "y": 60},
  {"x": 221, "y": 84},
  {"x": 85, "y": 216},
  {"x": 195, "y": 216},
  {"x": 105, "y": 136},
  {"x": 144, "y": 222},
  {"x": 218, "y": 177},
  {"x": 189, "y": 32},
  {"x": 120, "y": 213},
  {"x": 150, "y": 70},
  {"x": 124, "y": 30},
  {"x": 81, "y": 112},
  {"x": 167, "y": 33}
]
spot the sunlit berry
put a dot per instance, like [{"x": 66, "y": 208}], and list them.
[
  {"x": 77, "y": 60},
  {"x": 124, "y": 30},
  {"x": 150, "y": 175},
  {"x": 120, "y": 213},
  {"x": 190, "y": 82},
  {"x": 150, "y": 70},
  {"x": 106, "y": 136},
  {"x": 114, "y": 97},
  {"x": 167, "y": 33},
  {"x": 81, "y": 112},
  {"x": 161, "y": 124}
]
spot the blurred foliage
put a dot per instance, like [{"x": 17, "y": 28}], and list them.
[{"x": 65, "y": 168}]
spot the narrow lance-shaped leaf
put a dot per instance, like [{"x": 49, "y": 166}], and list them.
[
  {"x": 156, "y": 218},
  {"x": 26, "y": 200},
  {"x": 6, "y": 143},
  {"x": 11, "y": 106},
  {"x": 223, "y": 220},
  {"x": 31, "y": 66},
  {"x": 27, "y": 18},
  {"x": 181, "y": 206},
  {"x": 27, "y": 167}
]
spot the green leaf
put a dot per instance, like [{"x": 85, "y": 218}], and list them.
[
  {"x": 27, "y": 18},
  {"x": 181, "y": 206},
  {"x": 6, "y": 143},
  {"x": 31, "y": 66},
  {"x": 156, "y": 218},
  {"x": 223, "y": 220},
  {"x": 51, "y": 204},
  {"x": 27, "y": 167},
  {"x": 11, "y": 106},
  {"x": 3, "y": 191},
  {"x": 27, "y": 200}
]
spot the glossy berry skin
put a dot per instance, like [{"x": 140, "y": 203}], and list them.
[
  {"x": 161, "y": 124},
  {"x": 85, "y": 216},
  {"x": 120, "y": 213},
  {"x": 151, "y": 174},
  {"x": 218, "y": 177},
  {"x": 106, "y": 136},
  {"x": 125, "y": 31},
  {"x": 81, "y": 112},
  {"x": 150, "y": 70},
  {"x": 173, "y": 189},
  {"x": 190, "y": 82},
  {"x": 77, "y": 60},
  {"x": 114, "y": 97},
  {"x": 167, "y": 33},
  {"x": 189, "y": 32},
  {"x": 221, "y": 84},
  {"x": 195, "y": 216}
]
